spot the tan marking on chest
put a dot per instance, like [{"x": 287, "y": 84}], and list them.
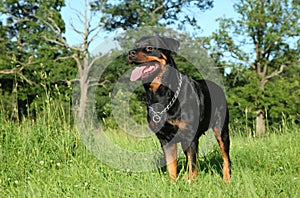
[
  {"x": 157, "y": 80},
  {"x": 180, "y": 124}
]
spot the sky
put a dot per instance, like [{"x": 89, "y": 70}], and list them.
[{"x": 207, "y": 19}]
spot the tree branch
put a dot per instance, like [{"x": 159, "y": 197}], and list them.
[
  {"x": 19, "y": 71},
  {"x": 61, "y": 43},
  {"x": 99, "y": 84},
  {"x": 237, "y": 55},
  {"x": 13, "y": 71},
  {"x": 78, "y": 63},
  {"x": 78, "y": 14},
  {"x": 158, "y": 8},
  {"x": 276, "y": 72},
  {"x": 76, "y": 30},
  {"x": 94, "y": 60},
  {"x": 55, "y": 28},
  {"x": 97, "y": 29}
]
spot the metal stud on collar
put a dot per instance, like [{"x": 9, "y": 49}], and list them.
[{"x": 156, "y": 118}]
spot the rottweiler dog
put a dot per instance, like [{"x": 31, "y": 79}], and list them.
[{"x": 179, "y": 108}]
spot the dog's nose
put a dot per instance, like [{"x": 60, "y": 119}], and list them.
[
  {"x": 132, "y": 52},
  {"x": 131, "y": 56}
]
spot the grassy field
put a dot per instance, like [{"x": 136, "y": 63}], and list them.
[{"x": 46, "y": 158}]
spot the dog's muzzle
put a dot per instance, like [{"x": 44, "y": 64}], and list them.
[
  {"x": 145, "y": 71},
  {"x": 132, "y": 56}
]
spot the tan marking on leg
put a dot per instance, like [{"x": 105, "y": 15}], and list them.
[
  {"x": 226, "y": 168},
  {"x": 192, "y": 173},
  {"x": 171, "y": 159}
]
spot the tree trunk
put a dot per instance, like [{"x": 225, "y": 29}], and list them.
[
  {"x": 260, "y": 123},
  {"x": 84, "y": 86},
  {"x": 15, "y": 109},
  {"x": 83, "y": 100}
]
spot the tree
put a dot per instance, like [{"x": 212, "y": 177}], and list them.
[
  {"x": 31, "y": 67},
  {"x": 38, "y": 31},
  {"x": 133, "y": 14},
  {"x": 88, "y": 28},
  {"x": 261, "y": 44}
]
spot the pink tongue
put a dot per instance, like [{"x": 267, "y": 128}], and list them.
[{"x": 137, "y": 73}]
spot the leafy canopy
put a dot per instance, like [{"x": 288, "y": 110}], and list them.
[
  {"x": 262, "y": 49},
  {"x": 132, "y": 14}
]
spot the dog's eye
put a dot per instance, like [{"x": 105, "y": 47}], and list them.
[{"x": 149, "y": 48}]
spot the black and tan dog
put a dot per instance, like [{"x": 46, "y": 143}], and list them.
[{"x": 180, "y": 109}]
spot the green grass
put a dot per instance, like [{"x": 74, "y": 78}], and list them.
[{"x": 46, "y": 158}]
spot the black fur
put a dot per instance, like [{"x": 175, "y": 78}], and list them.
[{"x": 201, "y": 104}]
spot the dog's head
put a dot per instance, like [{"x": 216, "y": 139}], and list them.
[{"x": 151, "y": 55}]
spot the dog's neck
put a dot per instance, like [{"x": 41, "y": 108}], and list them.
[
  {"x": 168, "y": 84},
  {"x": 170, "y": 77}
]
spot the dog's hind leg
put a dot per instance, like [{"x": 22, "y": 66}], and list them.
[
  {"x": 191, "y": 158},
  {"x": 224, "y": 143}
]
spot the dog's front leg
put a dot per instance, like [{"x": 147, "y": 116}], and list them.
[{"x": 170, "y": 151}]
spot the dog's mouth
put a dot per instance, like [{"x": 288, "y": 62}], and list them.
[{"x": 145, "y": 70}]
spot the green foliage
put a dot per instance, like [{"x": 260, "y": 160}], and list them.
[
  {"x": 261, "y": 48},
  {"x": 282, "y": 96},
  {"x": 33, "y": 65},
  {"x": 133, "y": 14},
  {"x": 110, "y": 75}
]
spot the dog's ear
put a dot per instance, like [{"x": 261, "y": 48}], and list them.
[{"x": 170, "y": 44}]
